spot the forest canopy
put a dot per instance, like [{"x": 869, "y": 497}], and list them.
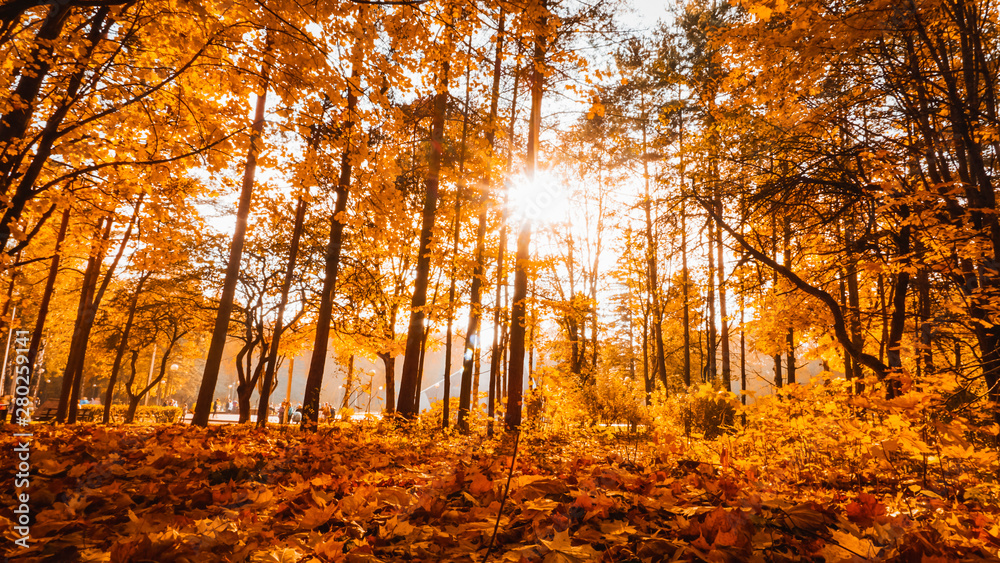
[{"x": 546, "y": 215}]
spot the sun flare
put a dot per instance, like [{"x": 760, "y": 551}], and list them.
[{"x": 542, "y": 200}]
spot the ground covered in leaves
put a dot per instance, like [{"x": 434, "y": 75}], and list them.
[{"x": 376, "y": 492}]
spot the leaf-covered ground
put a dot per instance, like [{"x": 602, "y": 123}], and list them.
[{"x": 365, "y": 492}]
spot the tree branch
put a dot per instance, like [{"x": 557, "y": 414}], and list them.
[{"x": 839, "y": 327}]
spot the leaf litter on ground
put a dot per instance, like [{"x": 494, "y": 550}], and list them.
[{"x": 370, "y": 493}]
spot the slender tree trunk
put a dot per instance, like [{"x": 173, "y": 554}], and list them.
[
  {"x": 421, "y": 365},
  {"x": 685, "y": 275},
  {"x": 713, "y": 342},
  {"x": 724, "y": 317},
  {"x": 499, "y": 326},
  {"x": 286, "y": 285},
  {"x": 317, "y": 362},
  {"x": 348, "y": 383},
  {"x": 389, "y": 361},
  {"x": 50, "y": 284},
  {"x": 85, "y": 322},
  {"x": 446, "y": 414},
  {"x": 94, "y": 303},
  {"x": 631, "y": 352},
  {"x": 778, "y": 379},
  {"x": 109, "y": 394},
  {"x": 686, "y": 289},
  {"x": 213, "y": 361},
  {"x": 653, "y": 282},
  {"x": 884, "y": 310},
  {"x": 925, "y": 326},
  {"x": 531, "y": 335},
  {"x": 76, "y": 342},
  {"x": 897, "y": 324},
  {"x": 743, "y": 354},
  {"x": 647, "y": 376},
  {"x": 515, "y": 369},
  {"x": 790, "y": 334},
  {"x": 854, "y": 303},
  {"x": 408, "y": 385},
  {"x": 135, "y": 399},
  {"x": 472, "y": 345}
]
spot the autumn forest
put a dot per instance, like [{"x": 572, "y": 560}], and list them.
[{"x": 541, "y": 280}]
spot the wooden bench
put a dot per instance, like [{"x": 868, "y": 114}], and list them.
[{"x": 45, "y": 412}]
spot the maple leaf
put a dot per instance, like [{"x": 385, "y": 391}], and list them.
[
  {"x": 480, "y": 484},
  {"x": 562, "y": 550},
  {"x": 847, "y": 547},
  {"x": 866, "y": 510}
]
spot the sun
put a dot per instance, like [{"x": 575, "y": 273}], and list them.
[{"x": 543, "y": 200}]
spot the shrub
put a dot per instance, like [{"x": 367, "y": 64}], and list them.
[{"x": 144, "y": 414}]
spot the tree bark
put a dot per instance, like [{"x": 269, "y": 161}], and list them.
[
  {"x": 109, "y": 393},
  {"x": 317, "y": 362},
  {"x": 14, "y": 125},
  {"x": 515, "y": 369},
  {"x": 653, "y": 282},
  {"x": 348, "y": 383},
  {"x": 790, "y": 334},
  {"x": 408, "y": 380},
  {"x": 472, "y": 344},
  {"x": 50, "y": 284},
  {"x": 499, "y": 312},
  {"x": 389, "y": 361},
  {"x": 711, "y": 365},
  {"x": 286, "y": 285},
  {"x": 213, "y": 361},
  {"x": 724, "y": 318}
]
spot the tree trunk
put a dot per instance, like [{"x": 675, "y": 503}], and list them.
[
  {"x": 685, "y": 275},
  {"x": 724, "y": 318},
  {"x": 134, "y": 399},
  {"x": 790, "y": 334},
  {"x": 926, "y": 320},
  {"x": 210, "y": 377},
  {"x": 778, "y": 379},
  {"x": 713, "y": 342},
  {"x": 76, "y": 342},
  {"x": 472, "y": 344},
  {"x": 515, "y": 369},
  {"x": 90, "y": 302},
  {"x": 408, "y": 380},
  {"x": 499, "y": 324},
  {"x": 317, "y": 362},
  {"x": 646, "y": 376},
  {"x": 653, "y": 282},
  {"x": 390, "y": 380},
  {"x": 109, "y": 394},
  {"x": 14, "y": 124},
  {"x": 286, "y": 284},
  {"x": 50, "y": 284},
  {"x": 348, "y": 383},
  {"x": 897, "y": 324}
]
